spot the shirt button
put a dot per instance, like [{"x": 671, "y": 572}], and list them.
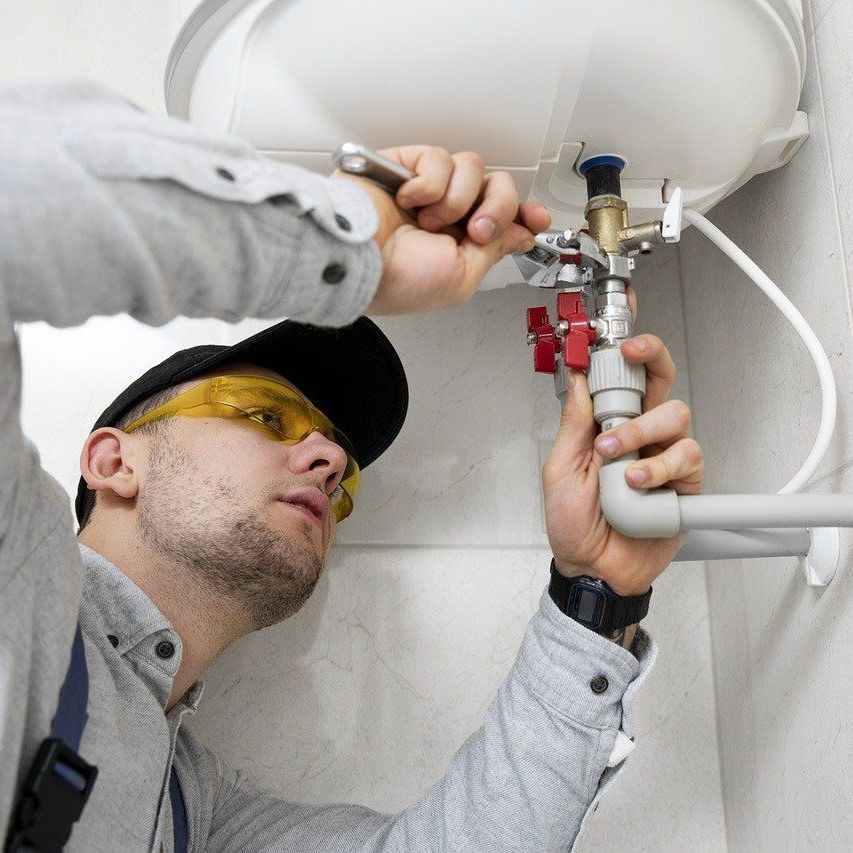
[
  {"x": 165, "y": 649},
  {"x": 113, "y": 640},
  {"x": 599, "y": 684},
  {"x": 343, "y": 222},
  {"x": 225, "y": 174},
  {"x": 334, "y": 274}
]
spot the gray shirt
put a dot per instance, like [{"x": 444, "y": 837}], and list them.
[{"x": 104, "y": 210}]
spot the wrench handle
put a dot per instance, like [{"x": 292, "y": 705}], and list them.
[{"x": 357, "y": 159}]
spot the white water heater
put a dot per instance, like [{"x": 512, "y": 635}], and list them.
[
  {"x": 700, "y": 94},
  {"x": 693, "y": 94}
]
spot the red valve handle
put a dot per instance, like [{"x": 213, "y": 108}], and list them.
[
  {"x": 580, "y": 336},
  {"x": 537, "y": 318},
  {"x": 547, "y": 343}
]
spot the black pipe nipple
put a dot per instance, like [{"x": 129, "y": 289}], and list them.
[{"x": 602, "y": 175}]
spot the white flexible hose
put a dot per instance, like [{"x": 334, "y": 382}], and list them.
[{"x": 802, "y": 328}]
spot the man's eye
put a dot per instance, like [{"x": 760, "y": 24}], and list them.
[{"x": 267, "y": 417}]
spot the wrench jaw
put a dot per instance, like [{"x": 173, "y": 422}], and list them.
[{"x": 553, "y": 251}]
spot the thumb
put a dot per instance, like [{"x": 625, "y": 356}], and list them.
[
  {"x": 479, "y": 259},
  {"x": 574, "y": 442}
]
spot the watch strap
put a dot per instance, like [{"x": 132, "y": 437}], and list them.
[{"x": 620, "y": 610}]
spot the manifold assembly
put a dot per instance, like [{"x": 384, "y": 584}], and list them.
[{"x": 590, "y": 270}]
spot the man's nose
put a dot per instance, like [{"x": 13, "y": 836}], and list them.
[{"x": 317, "y": 455}]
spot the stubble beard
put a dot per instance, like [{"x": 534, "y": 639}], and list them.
[{"x": 208, "y": 528}]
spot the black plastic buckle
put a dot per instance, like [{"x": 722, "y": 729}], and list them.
[{"x": 52, "y": 799}]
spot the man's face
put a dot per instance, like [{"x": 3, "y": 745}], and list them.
[{"x": 245, "y": 516}]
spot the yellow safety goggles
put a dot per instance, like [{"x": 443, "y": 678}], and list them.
[{"x": 270, "y": 408}]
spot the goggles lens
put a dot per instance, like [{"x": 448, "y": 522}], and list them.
[{"x": 270, "y": 408}]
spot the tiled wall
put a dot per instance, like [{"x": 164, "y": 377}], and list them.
[
  {"x": 781, "y": 650},
  {"x": 366, "y": 693}
]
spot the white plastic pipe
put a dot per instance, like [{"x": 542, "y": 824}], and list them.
[
  {"x": 661, "y": 513},
  {"x": 802, "y": 328},
  {"x": 737, "y": 512},
  {"x": 736, "y": 544}
]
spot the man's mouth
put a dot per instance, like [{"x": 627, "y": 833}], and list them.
[{"x": 311, "y": 503}]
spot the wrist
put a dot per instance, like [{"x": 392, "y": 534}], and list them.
[
  {"x": 389, "y": 215},
  {"x": 595, "y": 605},
  {"x": 626, "y": 587}
]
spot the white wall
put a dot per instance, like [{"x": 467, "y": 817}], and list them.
[
  {"x": 781, "y": 650},
  {"x": 367, "y": 692}
]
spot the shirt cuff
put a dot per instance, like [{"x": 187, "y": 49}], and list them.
[
  {"x": 315, "y": 232},
  {"x": 578, "y": 672},
  {"x": 337, "y": 264}
]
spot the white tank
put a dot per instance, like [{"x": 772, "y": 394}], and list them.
[{"x": 700, "y": 94}]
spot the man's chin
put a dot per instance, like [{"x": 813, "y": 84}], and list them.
[{"x": 292, "y": 563}]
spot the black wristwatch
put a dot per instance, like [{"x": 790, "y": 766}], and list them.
[{"x": 594, "y": 604}]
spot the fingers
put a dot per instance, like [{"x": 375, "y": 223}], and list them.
[
  {"x": 498, "y": 209},
  {"x": 534, "y": 216},
  {"x": 433, "y": 167},
  {"x": 664, "y": 425},
  {"x": 572, "y": 448},
  {"x": 477, "y": 259},
  {"x": 679, "y": 461},
  {"x": 460, "y": 194},
  {"x": 469, "y": 221},
  {"x": 660, "y": 368},
  {"x": 680, "y": 466},
  {"x": 496, "y": 193},
  {"x": 449, "y": 188}
]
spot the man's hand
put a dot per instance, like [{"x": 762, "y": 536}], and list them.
[
  {"x": 445, "y": 228},
  {"x": 581, "y": 539}
]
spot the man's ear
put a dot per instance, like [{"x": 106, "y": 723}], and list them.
[{"x": 109, "y": 462}]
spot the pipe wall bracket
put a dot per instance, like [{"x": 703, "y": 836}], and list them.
[{"x": 821, "y": 563}]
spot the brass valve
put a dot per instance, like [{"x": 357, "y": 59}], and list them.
[{"x": 607, "y": 216}]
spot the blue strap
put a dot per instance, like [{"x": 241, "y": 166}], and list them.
[
  {"x": 70, "y": 720},
  {"x": 179, "y": 814},
  {"x": 71, "y": 716}
]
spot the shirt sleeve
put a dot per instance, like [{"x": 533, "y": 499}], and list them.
[
  {"x": 525, "y": 781},
  {"x": 106, "y": 209}
]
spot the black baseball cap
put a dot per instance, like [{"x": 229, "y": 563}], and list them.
[{"x": 352, "y": 374}]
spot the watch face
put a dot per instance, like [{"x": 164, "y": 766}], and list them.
[{"x": 586, "y": 604}]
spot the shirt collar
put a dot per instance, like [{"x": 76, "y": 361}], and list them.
[
  {"x": 115, "y": 610},
  {"x": 113, "y": 603}
]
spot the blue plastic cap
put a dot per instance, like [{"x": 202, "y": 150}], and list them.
[{"x": 601, "y": 160}]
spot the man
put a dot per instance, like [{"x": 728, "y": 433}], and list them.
[{"x": 214, "y": 483}]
